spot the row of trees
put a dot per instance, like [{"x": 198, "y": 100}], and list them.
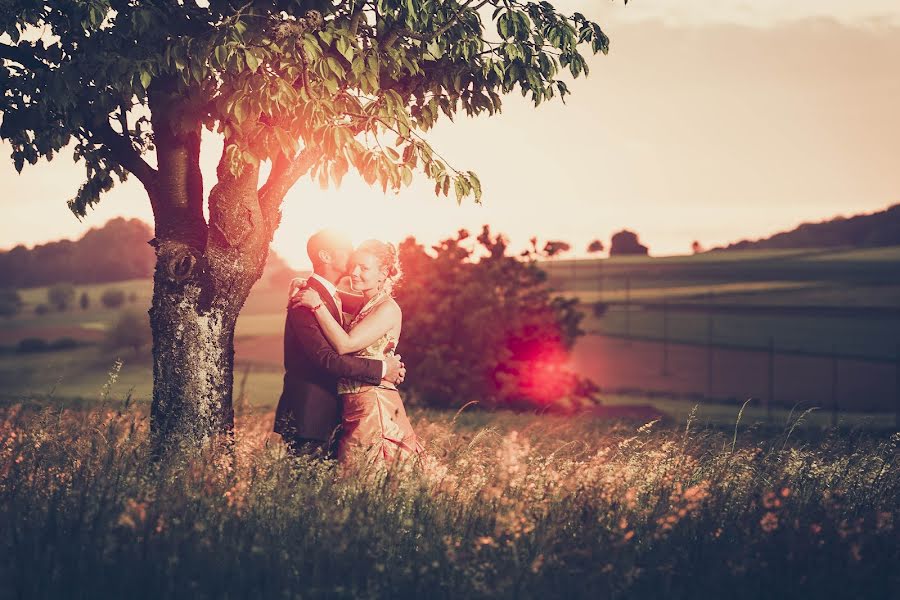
[
  {"x": 115, "y": 252},
  {"x": 623, "y": 243}
]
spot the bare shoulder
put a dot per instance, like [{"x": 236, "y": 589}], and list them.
[{"x": 389, "y": 307}]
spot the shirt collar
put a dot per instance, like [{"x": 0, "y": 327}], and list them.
[{"x": 332, "y": 289}]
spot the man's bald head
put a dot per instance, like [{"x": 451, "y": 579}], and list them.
[{"x": 329, "y": 250}]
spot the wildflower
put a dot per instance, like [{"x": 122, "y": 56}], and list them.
[
  {"x": 628, "y": 536},
  {"x": 769, "y": 522}
]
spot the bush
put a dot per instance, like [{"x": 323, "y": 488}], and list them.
[
  {"x": 131, "y": 330},
  {"x": 61, "y": 296},
  {"x": 84, "y": 301},
  {"x": 10, "y": 302},
  {"x": 41, "y": 309},
  {"x": 485, "y": 330},
  {"x": 31, "y": 345},
  {"x": 112, "y": 298},
  {"x": 64, "y": 343},
  {"x": 600, "y": 309}
]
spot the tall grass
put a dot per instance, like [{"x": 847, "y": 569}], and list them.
[{"x": 528, "y": 507}]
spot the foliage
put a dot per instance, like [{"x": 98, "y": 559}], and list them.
[
  {"x": 268, "y": 76},
  {"x": 130, "y": 330},
  {"x": 41, "y": 309},
  {"x": 626, "y": 243},
  {"x": 595, "y": 247},
  {"x": 556, "y": 247},
  {"x": 115, "y": 252},
  {"x": 509, "y": 510},
  {"x": 112, "y": 298},
  {"x": 31, "y": 344},
  {"x": 479, "y": 324},
  {"x": 84, "y": 301},
  {"x": 10, "y": 302},
  {"x": 61, "y": 296}
]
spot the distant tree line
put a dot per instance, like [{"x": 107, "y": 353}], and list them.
[
  {"x": 115, "y": 252},
  {"x": 861, "y": 231}
]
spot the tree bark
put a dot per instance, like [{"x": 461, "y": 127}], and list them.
[{"x": 204, "y": 273}]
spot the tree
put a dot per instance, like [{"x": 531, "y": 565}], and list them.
[
  {"x": 84, "y": 301},
  {"x": 595, "y": 247},
  {"x": 486, "y": 330},
  {"x": 696, "y": 247},
  {"x": 130, "y": 330},
  {"x": 112, "y": 298},
  {"x": 626, "y": 243},
  {"x": 10, "y": 302},
  {"x": 61, "y": 296},
  {"x": 555, "y": 247},
  {"x": 307, "y": 89}
]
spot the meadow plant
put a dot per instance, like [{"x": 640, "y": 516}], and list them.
[{"x": 504, "y": 505}]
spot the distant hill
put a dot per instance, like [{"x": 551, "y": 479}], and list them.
[
  {"x": 117, "y": 251},
  {"x": 861, "y": 231}
]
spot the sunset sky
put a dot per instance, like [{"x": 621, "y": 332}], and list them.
[{"x": 714, "y": 121}]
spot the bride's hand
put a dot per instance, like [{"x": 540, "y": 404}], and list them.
[
  {"x": 297, "y": 283},
  {"x": 308, "y": 298}
]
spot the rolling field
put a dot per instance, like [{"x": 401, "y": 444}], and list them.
[{"x": 736, "y": 302}]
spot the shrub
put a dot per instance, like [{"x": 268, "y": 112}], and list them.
[
  {"x": 130, "y": 330},
  {"x": 61, "y": 296},
  {"x": 600, "y": 309},
  {"x": 485, "y": 329},
  {"x": 112, "y": 298},
  {"x": 10, "y": 302},
  {"x": 84, "y": 301},
  {"x": 31, "y": 345},
  {"x": 64, "y": 343}
]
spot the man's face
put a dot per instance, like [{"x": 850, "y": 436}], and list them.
[{"x": 340, "y": 258}]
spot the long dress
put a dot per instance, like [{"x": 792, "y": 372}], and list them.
[{"x": 374, "y": 425}]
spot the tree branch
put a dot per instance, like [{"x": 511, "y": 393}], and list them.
[
  {"x": 123, "y": 153},
  {"x": 285, "y": 173},
  {"x": 395, "y": 34},
  {"x": 24, "y": 58}
]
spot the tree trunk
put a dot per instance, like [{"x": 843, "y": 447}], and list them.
[
  {"x": 198, "y": 293},
  {"x": 193, "y": 353}
]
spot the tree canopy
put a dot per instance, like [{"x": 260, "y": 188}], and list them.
[{"x": 311, "y": 86}]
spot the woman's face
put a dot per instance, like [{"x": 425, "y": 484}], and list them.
[{"x": 365, "y": 273}]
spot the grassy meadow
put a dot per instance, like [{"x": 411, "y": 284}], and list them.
[{"x": 508, "y": 505}]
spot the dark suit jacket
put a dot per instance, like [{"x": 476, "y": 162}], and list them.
[{"x": 309, "y": 407}]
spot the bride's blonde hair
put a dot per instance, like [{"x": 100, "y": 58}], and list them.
[{"x": 388, "y": 259}]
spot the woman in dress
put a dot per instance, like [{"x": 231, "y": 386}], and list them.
[{"x": 374, "y": 421}]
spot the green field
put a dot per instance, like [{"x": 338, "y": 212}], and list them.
[{"x": 799, "y": 284}]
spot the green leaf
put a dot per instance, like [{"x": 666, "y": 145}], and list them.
[
  {"x": 252, "y": 60},
  {"x": 145, "y": 79}
]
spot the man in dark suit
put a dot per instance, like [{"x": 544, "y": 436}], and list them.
[{"x": 309, "y": 410}]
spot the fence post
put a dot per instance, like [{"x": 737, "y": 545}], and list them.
[
  {"x": 770, "y": 397},
  {"x": 709, "y": 347},
  {"x": 665, "y": 357},
  {"x": 834, "y": 387},
  {"x": 628, "y": 308}
]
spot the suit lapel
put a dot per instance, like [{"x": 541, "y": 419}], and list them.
[{"x": 328, "y": 299}]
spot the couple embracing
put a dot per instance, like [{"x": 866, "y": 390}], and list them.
[{"x": 340, "y": 394}]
